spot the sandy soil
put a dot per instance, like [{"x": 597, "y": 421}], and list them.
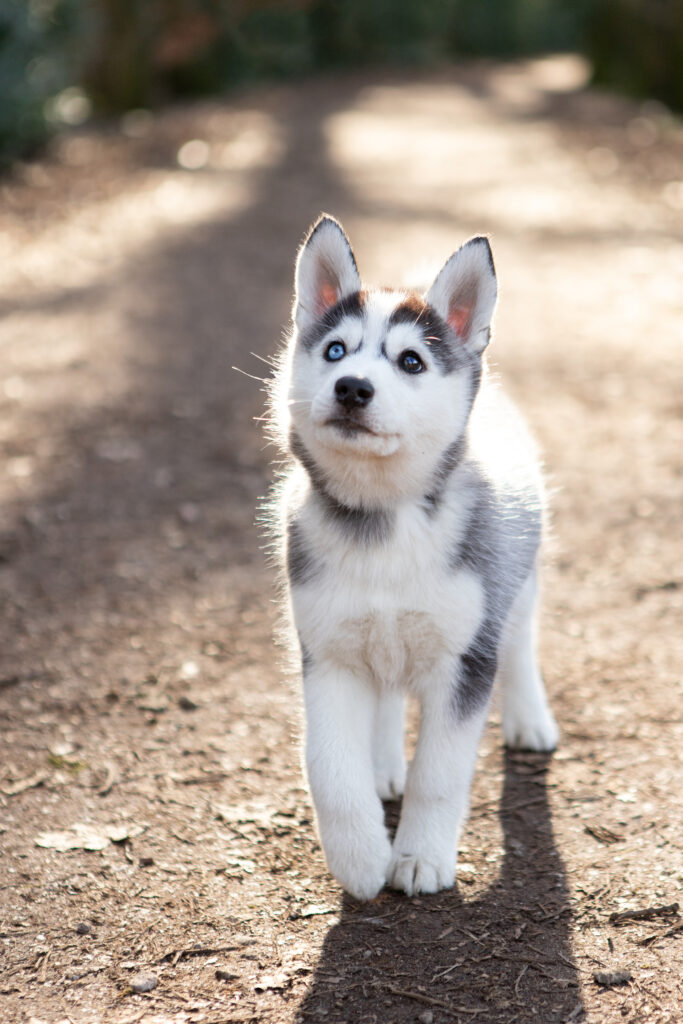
[{"x": 141, "y": 695}]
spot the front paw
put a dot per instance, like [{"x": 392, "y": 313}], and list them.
[
  {"x": 358, "y": 859},
  {"x": 426, "y": 872},
  {"x": 535, "y": 731}
]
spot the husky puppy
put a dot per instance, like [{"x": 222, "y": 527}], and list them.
[{"x": 411, "y": 514}]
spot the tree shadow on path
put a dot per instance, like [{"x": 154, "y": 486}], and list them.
[
  {"x": 93, "y": 535},
  {"x": 504, "y": 957}
]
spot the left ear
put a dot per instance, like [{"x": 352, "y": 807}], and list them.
[{"x": 464, "y": 293}]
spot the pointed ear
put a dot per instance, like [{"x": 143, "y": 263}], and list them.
[
  {"x": 326, "y": 271},
  {"x": 464, "y": 292}
]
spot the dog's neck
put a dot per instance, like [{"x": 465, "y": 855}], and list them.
[{"x": 378, "y": 485}]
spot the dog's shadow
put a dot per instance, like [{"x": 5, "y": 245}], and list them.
[{"x": 499, "y": 957}]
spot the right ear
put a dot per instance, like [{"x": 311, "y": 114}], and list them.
[{"x": 326, "y": 271}]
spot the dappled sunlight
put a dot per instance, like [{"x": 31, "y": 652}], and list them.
[
  {"x": 213, "y": 179},
  {"x": 439, "y": 152},
  {"x": 105, "y": 234},
  {"x": 74, "y": 347},
  {"x": 139, "y": 603},
  {"x": 401, "y": 138},
  {"x": 437, "y": 163},
  {"x": 395, "y": 150}
]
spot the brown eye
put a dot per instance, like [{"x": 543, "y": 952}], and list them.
[{"x": 410, "y": 362}]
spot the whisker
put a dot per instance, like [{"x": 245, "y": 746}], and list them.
[
  {"x": 268, "y": 362},
  {"x": 261, "y": 380}
]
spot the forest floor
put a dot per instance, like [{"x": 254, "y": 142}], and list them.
[{"x": 154, "y": 819}]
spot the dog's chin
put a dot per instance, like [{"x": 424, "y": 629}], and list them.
[{"x": 352, "y": 436}]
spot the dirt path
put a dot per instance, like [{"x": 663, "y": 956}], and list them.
[{"x": 140, "y": 690}]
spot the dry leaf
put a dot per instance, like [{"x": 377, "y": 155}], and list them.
[
  {"x": 271, "y": 981},
  {"x": 313, "y": 910},
  {"x": 87, "y": 837},
  {"x": 245, "y": 814}
]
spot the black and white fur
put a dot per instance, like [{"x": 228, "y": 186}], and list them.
[{"x": 411, "y": 515}]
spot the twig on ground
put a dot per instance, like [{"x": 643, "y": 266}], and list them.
[
  {"x": 174, "y": 955},
  {"x": 661, "y": 935},
  {"x": 552, "y": 916},
  {"x": 42, "y": 968},
  {"x": 603, "y": 834},
  {"x": 643, "y": 914},
  {"x": 430, "y": 1001},
  {"x": 108, "y": 782},
  {"x": 559, "y": 956},
  {"x": 23, "y": 784},
  {"x": 447, "y": 970},
  {"x": 519, "y": 978}
]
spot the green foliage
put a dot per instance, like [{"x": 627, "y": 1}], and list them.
[
  {"x": 379, "y": 31},
  {"x": 637, "y": 46},
  {"x": 266, "y": 42},
  {"x": 146, "y": 53},
  {"x": 118, "y": 71},
  {"x": 138, "y": 53},
  {"x": 502, "y": 28},
  {"x": 36, "y": 40}
]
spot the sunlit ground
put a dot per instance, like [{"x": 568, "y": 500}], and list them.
[{"x": 140, "y": 261}]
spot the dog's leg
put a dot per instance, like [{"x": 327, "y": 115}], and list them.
[
  {"x": 340, "y": 713},
  {"x": 387, "y": 748},
  {"x": 436, "y": 796},
  {"x": 527, "y": 719}
]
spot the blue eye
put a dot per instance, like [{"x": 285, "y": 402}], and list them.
[
  {"x": 334, "y": 351},
  {"x": 410, "y": 362}
]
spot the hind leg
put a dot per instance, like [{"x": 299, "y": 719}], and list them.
[
  {"x": 388, "y": 756},
  {"x": 528, "y": 722}
]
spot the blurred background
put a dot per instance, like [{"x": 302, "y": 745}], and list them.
[
  {"x": 161, "y": 161},
  {"x": 64, "y": 60}
]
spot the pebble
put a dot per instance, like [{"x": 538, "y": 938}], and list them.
[
  {"x": 427, "y": 1017},
  {"x": 189, "y": 512},
  {"x": 226, "y": 975},
  {"x": 608, "y": 978},
  {"x": 143, "y": 983},
  {"x": 83, "y": 928},
  {"x": 189, "y": 670}
]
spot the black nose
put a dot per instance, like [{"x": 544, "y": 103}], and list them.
[{"x": 353, "y": 392}]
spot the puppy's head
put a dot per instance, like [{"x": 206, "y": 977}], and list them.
[{"x": 379, "y": 384}]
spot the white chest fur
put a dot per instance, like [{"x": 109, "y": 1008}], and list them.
[{"x": 392, "y": 610}]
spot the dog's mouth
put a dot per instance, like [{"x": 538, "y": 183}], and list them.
[
  {"x": 349, "y": 427},
  {"x": 347, "y": 434}
]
